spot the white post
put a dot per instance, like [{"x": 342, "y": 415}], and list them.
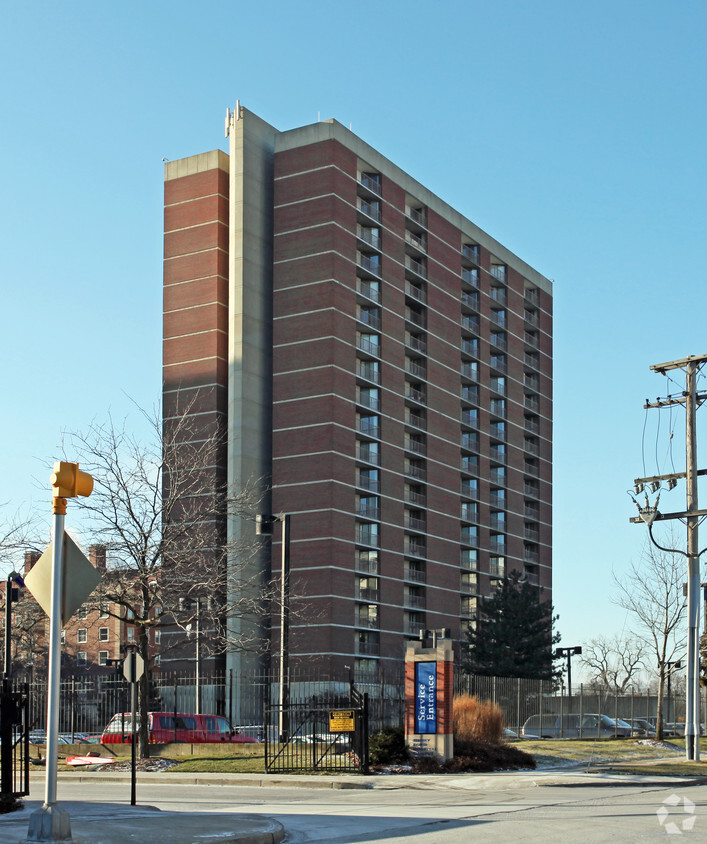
[{"x": 51, "y": 823}]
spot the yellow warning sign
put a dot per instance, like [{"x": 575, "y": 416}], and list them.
[{"x": 342, "y": 721}]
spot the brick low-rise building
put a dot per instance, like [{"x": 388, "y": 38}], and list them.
[{"x": 382, "y": 366}]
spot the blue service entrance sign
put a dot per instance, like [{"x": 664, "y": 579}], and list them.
[{"x": 425, "y": 697}]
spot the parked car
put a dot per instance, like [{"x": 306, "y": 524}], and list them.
[
  {"x": 641, "y": 727},
  {"x": 589, "y": 725},
  {"x": 165, "y": 727}
]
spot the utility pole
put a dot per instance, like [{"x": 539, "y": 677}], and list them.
[{"x": 691, "y": 399}]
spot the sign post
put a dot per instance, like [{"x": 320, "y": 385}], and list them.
[
  {"x": 429, "y": 690},
  {"x": 46, "y": 582},
  {"x": 133, "y": 669}
]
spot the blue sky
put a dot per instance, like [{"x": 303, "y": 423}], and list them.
[{"x": 573, "y": 133}]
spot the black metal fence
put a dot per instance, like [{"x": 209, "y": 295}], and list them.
[
  {"x": 14, "y": 743},
  {"x": 87, "y": 702},
  {"x": 326, "y": 732}
]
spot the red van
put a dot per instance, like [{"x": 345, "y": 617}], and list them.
[{"x": 164, "y": 727}]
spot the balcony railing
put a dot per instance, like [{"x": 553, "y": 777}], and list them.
[
  {"x": 416, "y": 292},
  {"x": 417, "y": 472},
  {"x": 499, "y": 318},
  {"x": 416, "y": 421},
  {"x": 532, "y": 295},
  {"x": 370, "y": 347},
  {"x": 497, "y": 545},
  {"x": 532, "y": 402},
  {"x": 416, "y": 575},
  {"x": 470, "y": 370},
  {"x": 366, "y": 594},
  {"x": 414, "y": 628},
  {"x": 368, "y": 511},
  {"x": 530, "y": 488},
  {"x": 367, "y": 565},
  {"x": 419, "y": 499},
  {"x": 497, "y": 500},
  {"x": 471, "y": 323},
  {"x": 471, "y": 252},
  {"x": 418, "y": 369},
  {"x": 470, "y": 300},
  {"x": 370, "y": 622},
  {"x": 419, "y": 344},
  {"x": 415, "y": 446},
  {"x": 370, "y": 291},
  {"x": 497, "y": 523},
  {"x": 497, "y": 570},
  {"x": 369, "y": 429},
  {"x": 531, "y": 556},
  {"x": 470, "y": 464},
  {"x": 532, "y": 424},
  {"x": 531, "y": 510},
  {"x": 531, "y": 317},
  {"x": 371, "y": 263},
  {"x": 531, "y": 534},
  {"x": 368, "y": 648},
  {"x": 370, "y": 317},
  {"x": 372, "y": 402},
  {"x": 531, "y": 338},
  {"x": 418, "y": 215},
  {"x": 499, "y": 340},
  {"x": 471, "y": 277},
  {"x": 499, "y": 272},
  {"x": 498, "y": 294},
  {"x": 415, "y": 317},
  {"x": 367, "y": 455},
  {"x": 417, "y": 267},
  {"x": 368, "y": 372},
  {"x": 415, "y": 523},
  {"x": 370, "y": 209},
  {"x": 419, "y": 396},
  {"x": 417, "y": 240},
  {"x": 414, "y": 548},
  {"x": 370, "y": 484},
  {"x": 499, "y": 363},
  {"x": 371, "y": 182},
  {"x": 368, "y": 236},
  {"x": 415, "y": 602}
]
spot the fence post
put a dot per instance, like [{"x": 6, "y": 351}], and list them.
[
  {"x": 581, "y": 708},
  {"x": 518, "y": 724},
  {"x": 73, "y": 708},
  {"x": 542, "y": 701}
]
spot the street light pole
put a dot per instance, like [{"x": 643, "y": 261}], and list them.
[
  {"x": 568, "y": 653},
  {"x": 263, "y": 527}
]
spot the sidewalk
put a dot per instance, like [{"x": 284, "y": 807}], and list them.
[
  {"x": 114, "y": 823},
  {"x": 120, "y": 823}
]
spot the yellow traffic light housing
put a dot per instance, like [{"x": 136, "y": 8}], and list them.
[{"x": 68, "y": 481}]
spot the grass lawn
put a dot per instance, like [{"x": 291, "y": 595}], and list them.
[{"x": 622, "y": 756}]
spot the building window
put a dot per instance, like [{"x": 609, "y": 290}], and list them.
[
  {"x": 82, "y": 612},
  {"x": 81, "y": 658},
  {"x": 103, "y": 611},
  {"x": 158, "y": 637},
  {"x": 367, "y": 534},
  {"x": 102, "y": 634},
  {"x": 81, "y": 635},
  {"x": 367, "y": 561},
  {"x": 103, "y": 657},
  {"x": 131, "y": 634},
  {"x": 470, "y": 511},
  {"x": 470, "y": 535},
  {"x": 63, "y": 637},
  {"x": 469, "y": 558}
]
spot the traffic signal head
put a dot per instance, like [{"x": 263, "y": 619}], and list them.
[{"x": 68, "y": 481}]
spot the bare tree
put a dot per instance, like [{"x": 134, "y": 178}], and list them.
[
  {"x": 614, "y": 662},
  {"x": 653, "y": 593},
  {"x": 18, "y": 535},
  {"x": 159, "y": 509}
]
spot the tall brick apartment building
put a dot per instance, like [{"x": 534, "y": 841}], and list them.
[{"x": 384, "y": 365}]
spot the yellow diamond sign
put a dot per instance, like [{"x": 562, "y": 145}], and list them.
[{"x": 80, "y": 579}]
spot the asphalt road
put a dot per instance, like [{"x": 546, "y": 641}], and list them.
[{"x": 450, "y": 810}]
